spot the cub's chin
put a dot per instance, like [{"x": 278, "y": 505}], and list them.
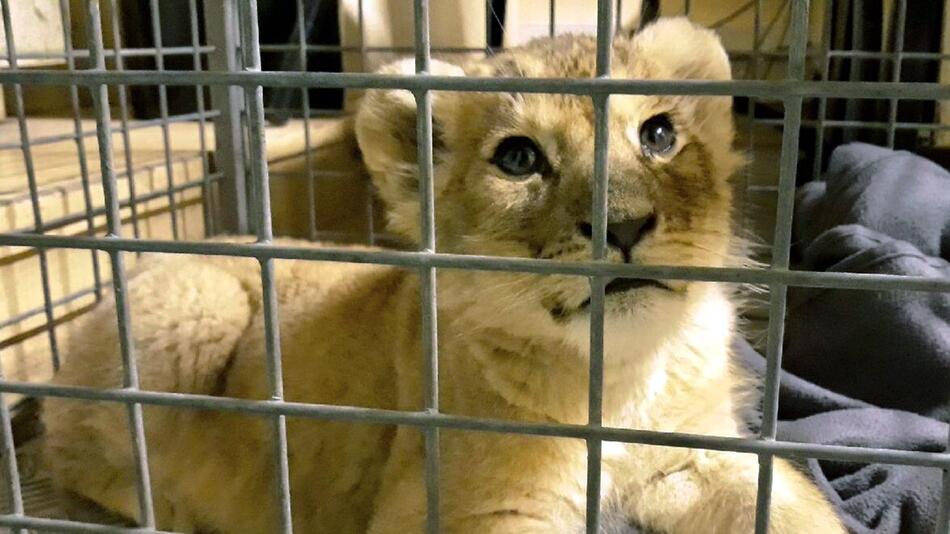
[{"x": 638, "y": 316}]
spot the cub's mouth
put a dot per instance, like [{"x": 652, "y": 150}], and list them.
[
  {"x": 614, "y": 287},
  {"x": 622, "y": 285}
]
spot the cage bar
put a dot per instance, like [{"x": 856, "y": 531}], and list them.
[
  {"x": 597, "y": 285},
  {"x": 828, "y": 124},
  {"x": 489, "y": 22},
  {"x": 61, "y": 526},
  {"x": 943, "y": 515},
  {"x": 123, "y": 95},
  {"x": 130, "y": 379},
  {"x": 427, "y": 275},
  {"x": 896, "y": 74},
  {"x": 889, "y": 56},
  {"x": 221, "y": 31},
  {"x": 207, "y": 197},
  {"x": 314, "y": 48},
  {"x": 261, "y": 193},
  {"x": 12, "y": 470},
  {"x": 605, "y": 35},
  {"x": 113, "y": 53},
  {"x": 361, "y": 24},
  {"x": 80, "y": 144},
  {"x": 163, "y": 113},
  {"x": 60, "y": 222},
  {"x": 131, "y": 126},
  {"x": 330, "y": 412},
  {"x": 230, "y": 87},
  {"x": 441, "y": 260},
  {"x": 826, "y": 55},
  {"x": 305, "y": 108},
  {"x": 25, "y": 146},
  {"x": 20, "y": 317},
  {"x": 573, "y": 86},
  {"x": 370, "y": 191},
  {"x": 781, "y": 250},
  {"x": 754, "y": 69},
  {"x": 11, "y": 467}
]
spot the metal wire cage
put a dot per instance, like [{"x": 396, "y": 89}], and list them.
[{"x": 235, "y": 187}]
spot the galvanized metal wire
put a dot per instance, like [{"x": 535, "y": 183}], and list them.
[
  {"x": 30, "y": 170},
  {"x": 130, "y": 379},
  {"x": 260, "y": 187},
  {"x": 570, "y": 86},
  {"x": 236, "y": 198},
  {"x": 781, "y": 250}
]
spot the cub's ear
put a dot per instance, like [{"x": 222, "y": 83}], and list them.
[
  {"x": 682, "y": 50},
  {"x": 647, "y": 14},
  {"x": 386, "y": 132},
  {"x": 386, "y": 119}
]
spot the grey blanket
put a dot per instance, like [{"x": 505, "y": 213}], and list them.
[{"x": 866, "y": 368}]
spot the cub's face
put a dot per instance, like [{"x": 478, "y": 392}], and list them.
[{"x": 514, "y": 175}]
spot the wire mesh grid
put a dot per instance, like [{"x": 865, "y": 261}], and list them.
[{"x": 235, "y": 190}]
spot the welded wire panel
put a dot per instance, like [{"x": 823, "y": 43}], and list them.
[
  {"x": 100, "y": 97},
  {"x": 328, "y": 412},
  {"x": 305, "y": 111},
  {"x": 370, "y": 191},
  {"x": 260, "y": 187},
  {"x": 222, "y": 32},
  {"x": 163, "y": 112},
  {"x": 605, "y": 29},
  {"x": 80, "y": 143},
  {"x": 41, "y": 524},
  {"x": 11, "y": 469},
  {"x": 113, "y": 54},
  {"x": 30, "y": 169},
  {"x": 208, "y": 210},
  {"x": 897, "y": 63},
  {"x": 123, "y": 96},
  {"x": 943, "y": 516},
  {"x": 576, "y": 86},
  {"x": 131, "y": 126},
  {"x": 246, "y": 92},
  {"x": 865, "y": 125},
  {"x": 838, "y": 280},
  {"x": 781, "y": 250},
  {"x": 427, "y": 275}
]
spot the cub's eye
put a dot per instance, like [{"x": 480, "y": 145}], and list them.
[
  {"x": 518, "y": 156},
  {"x": 657, "y": 136}
]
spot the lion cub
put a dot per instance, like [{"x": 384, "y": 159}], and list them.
[{"x": 513, "y": 177}]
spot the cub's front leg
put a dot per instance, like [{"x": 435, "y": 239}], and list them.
[
  {"x": 489, "y": 484},
  {"x": 715, "y": 492}
]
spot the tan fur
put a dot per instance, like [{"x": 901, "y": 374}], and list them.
[{"x": 511, "y": 346}]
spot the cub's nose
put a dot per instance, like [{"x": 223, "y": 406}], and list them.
[{"x": 625, "y": 234}]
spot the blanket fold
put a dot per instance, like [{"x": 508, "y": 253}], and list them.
[{"x": 870, "y": 368}]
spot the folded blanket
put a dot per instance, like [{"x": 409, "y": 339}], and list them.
[
  {"x": 875, "y": 498},
  {"x": 896, "y": 193},
  {"x": 873, "y": 368},
  {"x": 886, "y": 212}
]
